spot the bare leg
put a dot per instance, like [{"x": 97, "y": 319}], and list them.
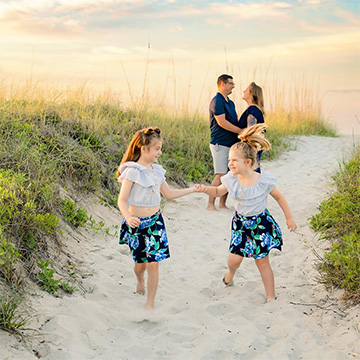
[
  {"x": 233, "y": 262},
  {"x": 222, "y": 202},
  {"x": 267, "y": 277},
  {"x": 211, "y": 203},
  {"x": 152, "y": 283},
  {"x": 139, "y": 270}
]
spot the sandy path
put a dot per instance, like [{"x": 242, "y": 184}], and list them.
[{"x": 196, "y": 317}]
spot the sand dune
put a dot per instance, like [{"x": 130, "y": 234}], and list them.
[{"x": 196, "y": 317}]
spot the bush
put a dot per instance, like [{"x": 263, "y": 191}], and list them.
[
  {"x": 23, "y": 212},
  {"x": 339, "y": 222},
  {"x": 74, "y": 215},
  {"x": 8, "y": 259},
  {"x": 46, "y": 277}
]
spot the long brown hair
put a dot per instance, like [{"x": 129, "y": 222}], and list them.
[
  {"x": 143, "y": 137},
  {"x": 257, "y": 96},
  {"x": 252, "y": 140}
]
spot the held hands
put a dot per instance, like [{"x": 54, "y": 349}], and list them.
[
  {"x": 133, "y": 221},
  {"x": 200, "y": 188},
  {"x": 291, "y": 225}
]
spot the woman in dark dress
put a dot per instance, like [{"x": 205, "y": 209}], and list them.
[{"x": 254, "y": 114}]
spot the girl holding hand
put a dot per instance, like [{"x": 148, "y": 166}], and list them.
[
  {"x": 254, "y": 231},
  {"x": 143, "y": 228}
]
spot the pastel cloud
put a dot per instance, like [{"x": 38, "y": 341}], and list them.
[{"x": 248, "y": 11}]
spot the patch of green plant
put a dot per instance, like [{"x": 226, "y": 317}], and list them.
[
  {"x": 45, "y": 277},
  {"x": 24, "y": 215},
  {"x": 69, "y": 289},
  {"x": 74, "y": 215},
  {"x": 338, "y": 221},
  {"x": 8, "y": 258},
  {"x": 12, "y": 317}
]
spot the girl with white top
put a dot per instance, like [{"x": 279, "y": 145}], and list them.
[
  {"x": 143, "y": 227},
  {"x": 254, "y": 231}
]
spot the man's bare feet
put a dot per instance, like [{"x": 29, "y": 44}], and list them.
[
  {"x": 211, "y": 208},
  {"x": 223, "y": 207},
  {"x": 149, "y": 306}
]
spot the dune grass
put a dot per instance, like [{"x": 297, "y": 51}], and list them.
[
  {"x": 54, "y": 139},
  {"x": 338, "y": 221}
]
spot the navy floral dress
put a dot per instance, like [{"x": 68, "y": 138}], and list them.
[
  {"x": 254, "y": 231},
  {"x": 148, "y": 242},
  {"x": 254, "y": 236}
]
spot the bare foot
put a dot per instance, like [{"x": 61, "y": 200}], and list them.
[
  {"x": 270, "y": 299},
  {"x": 223, "y": 207},
  {"x": 140, "y": 288},
  {"x": 149, "y": 306},
  {"x": 226, "y": 282},
  {"x": 211, "y": 208}
]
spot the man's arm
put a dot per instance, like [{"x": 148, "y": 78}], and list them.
[{"x": 227, "y": 125}]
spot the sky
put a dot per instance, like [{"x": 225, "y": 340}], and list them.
[{"x": 173, "y": 50}]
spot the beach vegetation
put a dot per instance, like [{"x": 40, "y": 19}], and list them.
[
  {"x": 73, "y": 214},
  {"x": 13, "y": 316},
  {"x": 338, "y": 221},
  {"x": 45, "y": 277}
]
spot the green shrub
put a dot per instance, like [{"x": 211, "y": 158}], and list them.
[
  {"x": 73, "y": 214},
  {"x": 8, "y": 259},
  {"x": 339, "y": 222},
  {"x": 23, "y": 211},
  {"x": 46, "y": 276}
]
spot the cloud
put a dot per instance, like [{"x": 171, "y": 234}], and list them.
[{"x": 248, "y": 11}]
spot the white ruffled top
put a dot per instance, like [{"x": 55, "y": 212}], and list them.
[
  {"x": 249, "y": 201},
  {"x": 146, "y": 188}
]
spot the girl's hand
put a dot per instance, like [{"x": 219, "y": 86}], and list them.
[
  {"x": 200, "y": 188},
  {"x": 291, "y": 225},
  {"x": 133, "y": 221}
]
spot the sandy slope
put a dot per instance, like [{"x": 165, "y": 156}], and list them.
[{"x": 196, "y": 317}]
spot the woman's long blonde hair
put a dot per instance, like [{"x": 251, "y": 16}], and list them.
[
  {"x": 143, "y": 137},
  {"x": 252, "y": 140}
]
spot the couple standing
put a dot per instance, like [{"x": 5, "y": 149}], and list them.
[{"x": 225, "y": 126}]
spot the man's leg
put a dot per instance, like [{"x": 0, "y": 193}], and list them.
[{"x": 220, "y": 155}]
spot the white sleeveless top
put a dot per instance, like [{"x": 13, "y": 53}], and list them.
[
  {"x": 146, "y": 188},
  {"x": 249, "y": 201}
]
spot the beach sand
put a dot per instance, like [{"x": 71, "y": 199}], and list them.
[{"x": 195, "y": 316}]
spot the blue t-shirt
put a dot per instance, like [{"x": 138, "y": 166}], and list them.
[
  {"x": 219, "y": 135},
  {"x": 254, "y": 111}
]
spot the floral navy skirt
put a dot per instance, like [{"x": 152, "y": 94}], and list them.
[
  {"x": 254, "y": 236},
  {"x": 147, "y": 242}
]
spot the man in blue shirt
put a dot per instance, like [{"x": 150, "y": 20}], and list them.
[{"x": 224, "y": 127}]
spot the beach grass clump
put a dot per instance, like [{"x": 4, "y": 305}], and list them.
[
  {"x": 338, "y": 221},
  {"x": 13, "y": 317}
]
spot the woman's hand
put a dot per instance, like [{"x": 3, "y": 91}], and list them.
[{"x": 133, "y": 221}]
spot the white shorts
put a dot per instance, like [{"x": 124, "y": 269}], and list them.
[{"x": 220, "y": 155}]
